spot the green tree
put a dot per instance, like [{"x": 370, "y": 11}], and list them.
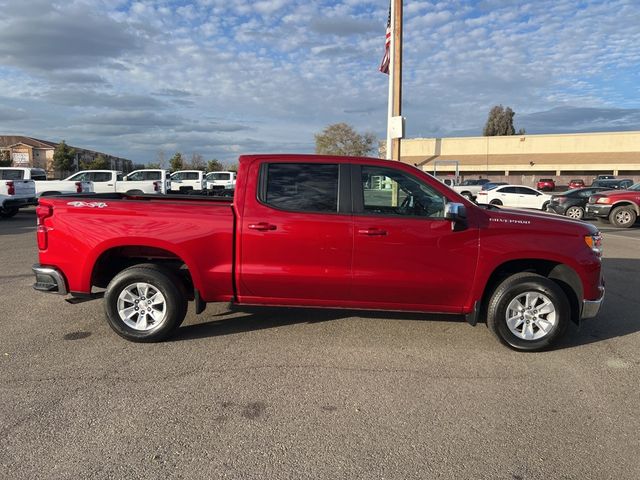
[
  {"x": 499, "y": 122},
  {"x": 232, "y": 167},
  {"x": 176, "y": 162},
  {"x": 214, "y": 165},
  {"x": 100, "y": 163},
  {"x": 139, "y": 166},
  {"x": 342, "y": 139},
  {"x": 63, "y": 157},
  {"x": 5, "y": 158}
]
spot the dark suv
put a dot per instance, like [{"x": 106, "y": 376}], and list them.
[{"x": 613, "y": 184}]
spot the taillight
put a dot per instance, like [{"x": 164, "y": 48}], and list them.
[
  {"x": 482, "y": 193},
  {"x": 42, "y": 212},
  {"x": 11, "y": 188},
  {"x": 156, "y": 186},
  {"x": 78, "y": 187}
]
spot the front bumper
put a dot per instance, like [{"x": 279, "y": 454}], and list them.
[
  {"x": 590, "y": 308},
  {"x": 19, "y": 202},
  {"x": 598, "y": 210},
  {"x": 49, "y": 279}
]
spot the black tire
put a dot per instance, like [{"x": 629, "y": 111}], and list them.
[
  {"x": 467, "y": 195},
  {"x": 135, "y": 192},
  {"x": 159, "y": 279},
  {"x": 623, "y": 216},
  {"x": 496, "y": 202},
  {"x": 544, "y": 206},
  {"x": 8, "y": 212},
  {"x": 49, "y": 194},
  {"x": 516, "y": 286},
  {"x": 575, "y": 212}
]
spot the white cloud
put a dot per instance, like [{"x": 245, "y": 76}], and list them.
[{"x": 223, "y": 76}]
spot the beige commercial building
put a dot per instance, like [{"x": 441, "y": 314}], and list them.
[
  {"x": 32, "y": 152},
  {"x": 525, "y": 158}
]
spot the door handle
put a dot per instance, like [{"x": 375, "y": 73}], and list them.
[
  {"x": 372, "y": 232},
  {"x": 262, "y": 226}
]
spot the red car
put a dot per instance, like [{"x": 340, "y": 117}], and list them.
[
  {"x": 576, "y": 184},
  {"x": 546, "y": 185},
  {"x": 321, "y": 231},
  {"x": 621, "y": 208}
]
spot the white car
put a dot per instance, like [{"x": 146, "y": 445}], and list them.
[
  {"x": 139, "y": 181},
  {"x": 517, "y": 196},
  {"x": 188, "y": 180},
  {"x": 221, "y": 180}
]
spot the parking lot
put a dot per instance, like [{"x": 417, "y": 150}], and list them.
[{"x": 289, "y": 394}]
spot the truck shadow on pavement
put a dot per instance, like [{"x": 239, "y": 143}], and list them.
[
  {"x": 618, "y": 317},
  {"x": 23, "y": 222},
  {"x": 253, "y": 319}
]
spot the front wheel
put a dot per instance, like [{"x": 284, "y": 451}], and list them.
[
  {"x": 528, "y": 312},
  {"x": 145, "y": 303},
  {"x": 496, "y": 202},
  {"x": 623, "y": 217}
]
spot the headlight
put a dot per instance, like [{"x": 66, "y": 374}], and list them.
[
  {"x": 603, "y": 200},
  {"x": 594, "y": 242}
]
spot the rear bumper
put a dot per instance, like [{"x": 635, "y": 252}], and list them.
[
  {"x": 556, "y": 208},
  {"x": 49, "y": 279},
  {"x": 590, "y": 308},
  {"x": 598, "y": 210},
  {"x": 19, "y": 202}
]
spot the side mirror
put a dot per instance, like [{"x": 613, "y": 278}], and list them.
[{"x": 455, "y": 211}]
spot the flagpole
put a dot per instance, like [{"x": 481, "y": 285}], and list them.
[
  {"x": 389, "y": 149},
  {"x": 396, "y": 62}
]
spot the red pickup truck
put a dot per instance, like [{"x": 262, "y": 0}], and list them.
[
  {"x": 620, "y": 207},
  {"x": 321, "y": 231}
]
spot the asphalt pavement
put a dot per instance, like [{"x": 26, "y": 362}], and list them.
[{"x": 296, "y": 394}]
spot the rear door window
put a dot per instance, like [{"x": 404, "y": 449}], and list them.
[{"x": 306, "y": 187}]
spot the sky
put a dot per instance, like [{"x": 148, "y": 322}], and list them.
[{"x": 140, "y": 79}]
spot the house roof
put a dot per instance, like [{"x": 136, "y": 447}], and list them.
[{"x": 11, "y": 140}]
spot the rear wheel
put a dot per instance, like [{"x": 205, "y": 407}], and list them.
[
  {"x": 467, "y": 195},
  {"x": 528, "y": 312},
  {"x": 145, "y": 303},
  {"x": 495, "y": 202},
  {"x": 623, "y": 217},
  {"x": 8, "y": 212},
  {"x": 575, "y": 212},
  {"x": 544, "y": 206},
  {"x": 135, "y": 192}
]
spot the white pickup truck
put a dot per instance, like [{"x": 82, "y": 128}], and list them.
[
  {"x": 138, "y": 181},
  {"x": 15, "y": 192},
  {"x": 221, "y": 180},
  {"x": 470, "y": 188},
  {"x": 46, "y": 187},
  {"x": 188, "y": 180}
]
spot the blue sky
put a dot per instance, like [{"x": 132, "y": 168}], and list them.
[{"x": 221, "y": 78}]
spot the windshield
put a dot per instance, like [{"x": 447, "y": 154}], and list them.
[{"x": 634, "y": 187}]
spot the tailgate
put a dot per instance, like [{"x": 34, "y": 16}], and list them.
[{"x": 25, "y": 188}]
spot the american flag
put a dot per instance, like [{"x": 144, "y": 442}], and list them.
[{"x": 384, "y": 65}]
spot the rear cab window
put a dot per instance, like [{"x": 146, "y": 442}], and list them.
[{"x": 11, "y": 174}]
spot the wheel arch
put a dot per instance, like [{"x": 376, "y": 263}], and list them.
[
  {"x": 115, "y": 259},
  {"x": 624, "y": 203},
  {"x": 563, "y": 275}
]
